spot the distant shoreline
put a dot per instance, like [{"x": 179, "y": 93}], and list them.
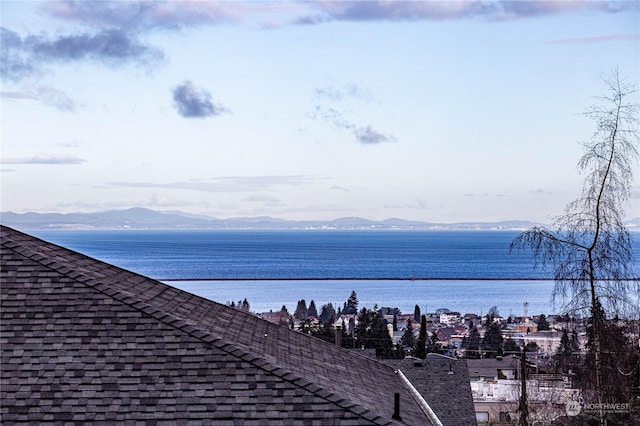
[{"x": 138, "y": 218}]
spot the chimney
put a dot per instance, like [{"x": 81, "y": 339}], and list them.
[
  {"x": 396, "y": 407},
  {"x": 339, "y": 335}
]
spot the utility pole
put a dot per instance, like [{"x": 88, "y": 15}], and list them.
[{"x": 523, "y": 407}]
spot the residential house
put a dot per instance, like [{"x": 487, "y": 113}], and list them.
[
  {"x": 548, "y": 341},
  {"x": 496, "y": 385},
  {"x": 471, "y": 319},
  {"x": 488, "y": 369},
  {"x": 447, "y": 335},
  {"x": 449, "y": 318}
]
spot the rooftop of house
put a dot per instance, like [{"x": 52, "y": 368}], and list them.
[
  {"x": 85, "y": 341},
  {"x": 444, "y": 382},
  {"x": 488, "y": 367},
  {"x": 447, "y": 331}
]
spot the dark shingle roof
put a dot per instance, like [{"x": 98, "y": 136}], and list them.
[
  {"x": 444, "y": 384},
  {"x": 86, "y": 341},
  {"x": 488, "y": 367}
]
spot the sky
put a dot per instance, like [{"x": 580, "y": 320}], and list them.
[{"x": 307, "y": 110}]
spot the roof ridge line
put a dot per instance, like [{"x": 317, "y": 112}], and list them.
[
  {"x": 424, "y": 405},
  {"x": 188, "y": 327}
]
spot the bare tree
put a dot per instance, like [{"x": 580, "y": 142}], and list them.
[{"x": 589, "y": 247}]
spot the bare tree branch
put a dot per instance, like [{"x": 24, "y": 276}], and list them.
[{"x": 589, "y": 247}]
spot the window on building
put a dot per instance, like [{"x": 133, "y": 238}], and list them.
[{"x": 482, "y": 416}]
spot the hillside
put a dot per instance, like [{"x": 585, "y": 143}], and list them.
[{"x": 141, "y": 218}]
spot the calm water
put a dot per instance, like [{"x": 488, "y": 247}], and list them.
[
  {"x": 232, "y": 265},
  {"x": 457, "y": 295}
]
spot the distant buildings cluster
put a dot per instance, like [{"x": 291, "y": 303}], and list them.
[{"x": 553, "y": 345}]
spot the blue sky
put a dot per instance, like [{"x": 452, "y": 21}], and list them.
[{"x": 434, "y": 111}]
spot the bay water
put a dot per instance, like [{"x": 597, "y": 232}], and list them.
[{"x": 465, "y": 271}]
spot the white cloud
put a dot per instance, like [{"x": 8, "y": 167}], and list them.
[
  {"x": 53, "y": 159},
  {"x": 227, "y": 183}
]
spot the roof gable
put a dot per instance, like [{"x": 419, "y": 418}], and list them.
[{"x": 101, "y": 342}]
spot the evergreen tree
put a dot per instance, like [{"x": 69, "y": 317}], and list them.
[
  {"x": 416, "y": 314},
  {"x": 351, "y": 305},
  {"x": 301, "y": 310},
  {"x": 305, "y": 326},
  {"x": 328, "y": 313},
  {"x": 408, "y": 339},
  {"x": 565, "y": 349},
  {"x": 433, "y": 345},
  {"x": 395, "y": 323},
  {"x": 543, "y": 324},
  {"x": 363, "y": 325},
  {"x": 492, "y": 341},
  {"x": 312, "y": 311},
  {"x": 398, "y": 351},
  {"x": 347, "y": 339},
  {"x": 381, "y": 339},
  {"x": 617, "y": 353},
  {"x": 372, "y": 332},
  {"x": 510, "y": 346},
  {"x": 420, "y": 347},
  {"x": 324, "y": 331},
  {"x": 493, "y": 311},
  {"x": 472, "y": 344},
  {"x": 245, "y": 305}
]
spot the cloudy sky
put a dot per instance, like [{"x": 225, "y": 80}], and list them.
[{"x": 435, "y": 111}]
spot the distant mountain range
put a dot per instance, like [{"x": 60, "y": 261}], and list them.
[{"x": 141, "y": 218}]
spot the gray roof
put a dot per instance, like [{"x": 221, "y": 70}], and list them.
[
  {"x": 449, "y": 394},
  {"x": 85, "y": 341},
  {"x": 488, "y": 367}
]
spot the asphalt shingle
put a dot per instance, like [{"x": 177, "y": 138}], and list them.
[{"x": 84, "y": 341}]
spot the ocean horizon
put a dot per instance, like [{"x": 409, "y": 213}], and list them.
[{"x": 465, "y": 271}]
